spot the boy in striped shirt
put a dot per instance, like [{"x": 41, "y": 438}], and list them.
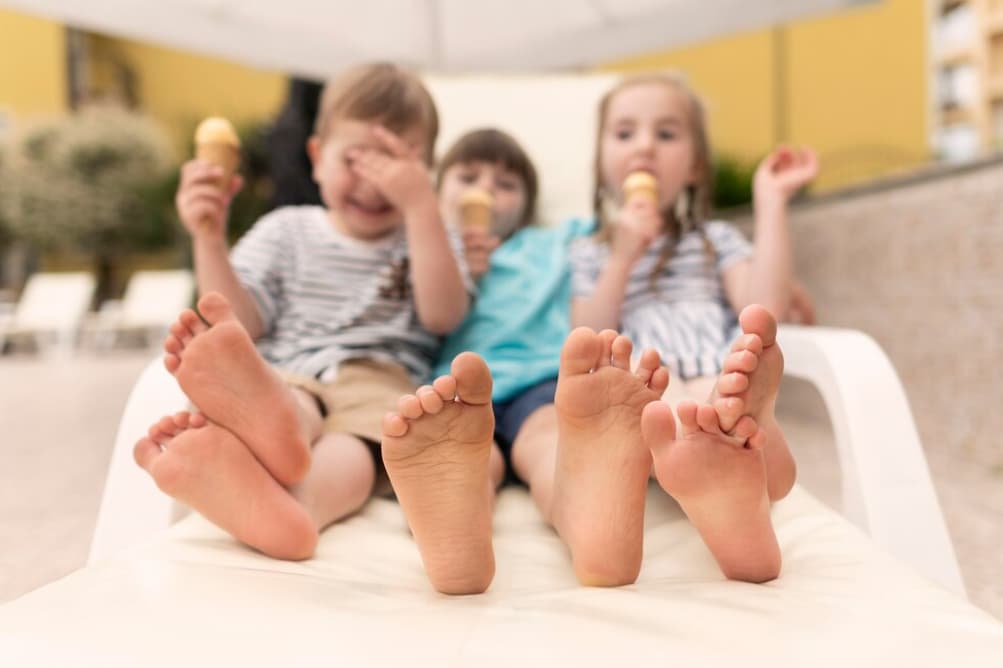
[{"x": 345, "y": 303}]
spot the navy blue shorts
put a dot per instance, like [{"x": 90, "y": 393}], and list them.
[{"x": 511, "y": 414}]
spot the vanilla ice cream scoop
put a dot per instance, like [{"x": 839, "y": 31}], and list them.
[
  {"x": 640, "y": 185},
  {"x": 217, "y": 142},
  {"x": 476, "y": 209}
]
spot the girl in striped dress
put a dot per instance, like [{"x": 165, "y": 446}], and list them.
[{"x": 668, "y": 277}]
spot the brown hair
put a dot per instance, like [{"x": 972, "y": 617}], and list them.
[
  {"x": 495, "y": 147},
  {"x": 380, "y": 92},
  {"x": 698, "y": 207}
]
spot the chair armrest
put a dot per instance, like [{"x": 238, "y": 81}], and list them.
[
  {"x": 132, "y": 507},
  {"x": 887, "y": 490}
]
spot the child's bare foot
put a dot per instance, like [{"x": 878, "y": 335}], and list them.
[
  {"x": 206, "y": 467},
  {"x": 223, "y": 374},
  {"x": 720, "y": 481},
  {"x": 602, "y": 470},
  {"x": 436, "y": 451},
  {"x": 749, "y": 384}
]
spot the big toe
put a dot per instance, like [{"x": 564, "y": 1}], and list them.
[
  {"x": 658, "y": 426},
  {"x": 215, "y": 308},
  {"x": 581, "y": 351},
  {"x": 755, "y": 319},
  {"x": 473, "y": 378}
]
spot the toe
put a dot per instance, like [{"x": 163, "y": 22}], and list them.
[
  {"x": 145, "y": 452},
  {"x": 758, "y": 440},
  {"x": 707, "y": 419},
  {"x": 686, "y": 411},
  {"x": 192, "y": 324},
  {"x": 431, "y": 402},
  {"x": 410, "y": 407},
  {"x": 621, "y": 349},
  {"x": 580, "y": 353},
  {"x": 215, "y": 308},
  {"x": 755, "y": 319},
  {"x": 658, "y": 426},
  {"x": 394, "y": 425},
  {"x": 181, "y": 332},
  {"x": 732, "y": 383},
  {"x": 729, "y": 410},
  {"x": 181, "y": 419},
  {"x": 473, "y": 379},
  {"x": 606, "y": 339},
  {"x": 647, "y": 365},
  {"x": 744, "y": 361},
  {"x": 172, "y": 345},
  {"x": 172, "y": 363},
  {"x": 659, "y": 380},
  {"x": 745, "y": 429},
  {"x": 446, "y": 387}
]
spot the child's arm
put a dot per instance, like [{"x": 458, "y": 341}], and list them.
[
  {"x": 478, "y": 245},
  {"x": 440, "y": 295},
  {"x": 203, "y": 210},
  {"x": 638, "y": 226},
  {"x": 802, "y": 309},
  {"x": 768, "y": 277}
]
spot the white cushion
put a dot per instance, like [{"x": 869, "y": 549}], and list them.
[{"x": 193, "y": 596}]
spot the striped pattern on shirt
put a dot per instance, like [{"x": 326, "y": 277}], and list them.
[
  {"x": 685, "y": 314},
  {"x": 325, "y": 298}
]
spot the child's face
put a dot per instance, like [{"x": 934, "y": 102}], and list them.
[
  {"x": 356, "y": 205},
  {"x": 505, "y": 186},
  {"x": 647, "y": 128}
]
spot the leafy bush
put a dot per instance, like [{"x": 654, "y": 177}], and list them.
[
  {"x": 732, "y": 182},
  {"x": 85, "y": 181}
]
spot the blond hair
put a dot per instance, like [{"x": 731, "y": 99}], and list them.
[
  {"x": 379, "y": 92},
  {"x": 698, "y": 195}
]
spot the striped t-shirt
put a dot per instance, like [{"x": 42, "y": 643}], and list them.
[
  {"x": 325, "y": 298},
  {"x": 684, "y": 315}
]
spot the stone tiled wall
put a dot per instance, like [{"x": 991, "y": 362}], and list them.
[{"x": 918, "y": 265}]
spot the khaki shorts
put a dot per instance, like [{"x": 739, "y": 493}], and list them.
[{"x": 362, "y": 393}]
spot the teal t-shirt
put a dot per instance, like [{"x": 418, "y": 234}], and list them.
[{"x": 520, "y": 318}]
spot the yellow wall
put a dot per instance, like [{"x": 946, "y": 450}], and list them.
[
  {"x": 33, "y": 65},
  {"x": 856, "y": 89},
  {"x": 178, "y": 89}
]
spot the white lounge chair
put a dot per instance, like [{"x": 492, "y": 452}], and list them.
[
  {"x": 51, "y": 310},
  {"x": 151, "y": 303},
  {"x": 877, "y": 586}
]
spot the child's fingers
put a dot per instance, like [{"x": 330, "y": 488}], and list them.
[
  {"x": 236, "y": 183},
  {"x": 207, "y": 194},
  {"x": 370, "y": 167},
  {"x": 391, "y": 142},
  {"x": 198, "y": 171}
]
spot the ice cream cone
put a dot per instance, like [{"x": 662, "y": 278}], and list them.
[
  {"x": 216, "y": 142},
  {"x": 476, "y": 210},
  {"x": 640, "y": 185}
]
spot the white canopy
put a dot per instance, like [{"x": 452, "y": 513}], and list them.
[{"x": 318, "y": 37}]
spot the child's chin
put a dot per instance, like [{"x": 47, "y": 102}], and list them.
[{"x": 367, "y": 227}]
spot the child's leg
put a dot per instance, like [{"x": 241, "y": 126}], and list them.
[
  {"x": 440, "y": 455},
  {"x": 599, "y": 468},
  {"x": 534, "y": 456},
  {"x": 223, "y": 374},
  {"x": 749, "y": 385},
  {"x": 340, "y": 480},
  {"x": 208, "y": 468}
]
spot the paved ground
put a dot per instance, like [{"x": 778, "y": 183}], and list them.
[{"x": 57, "y": 426}]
